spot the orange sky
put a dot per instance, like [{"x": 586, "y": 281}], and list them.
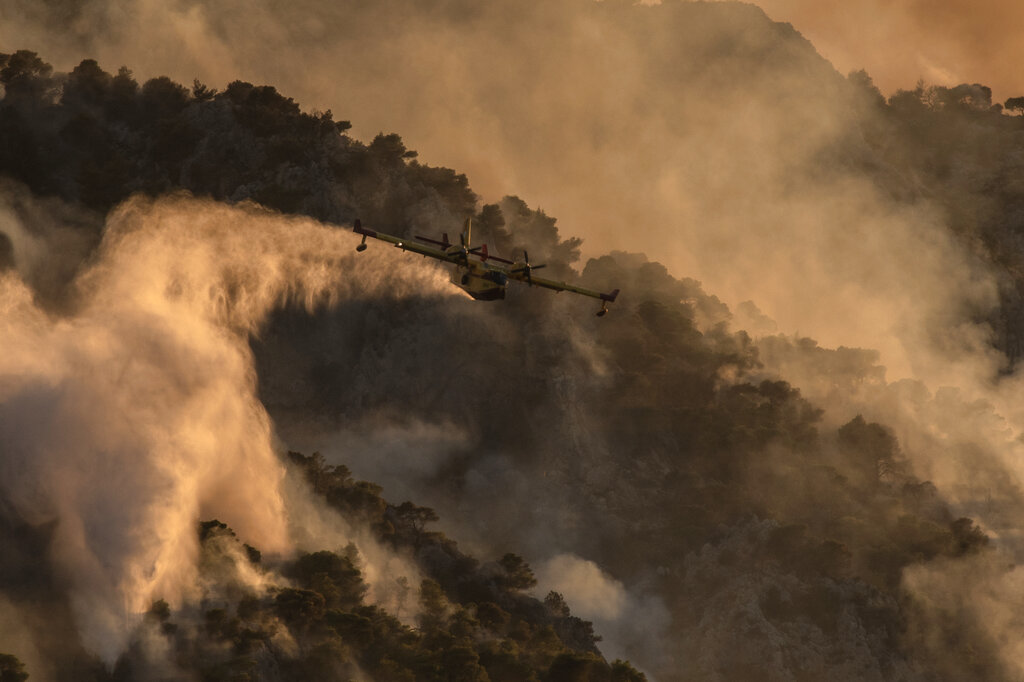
[{"x": 945, "y": 42}]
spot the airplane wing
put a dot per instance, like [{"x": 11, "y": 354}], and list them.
[
  {"x": 559, "y": 286},
  {"x": 522, "y": 273},
  {"x": 408, "y": 245}
]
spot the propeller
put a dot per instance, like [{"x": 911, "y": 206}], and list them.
[
  {"x": 481, "y": 251},
  {"x": 463, "y": 253},
  {"x": 527, "y": 268},
  {"x": 466, "y": 250}
]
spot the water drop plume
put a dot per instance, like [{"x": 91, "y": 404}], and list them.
[{"x": 129, "y": 419}]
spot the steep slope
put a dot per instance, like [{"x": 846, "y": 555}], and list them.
[{"x": 655, "y": 467}]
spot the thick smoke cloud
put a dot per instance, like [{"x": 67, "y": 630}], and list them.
[
  {"x": 988, "y": 591},
  {"x": 945, "y": 43},
  {"x": 743, "y": 177},
  {"x": 136, "y": 414},
  {"x": 897, "y": 42},
  {"x": 716, "y": 141}
]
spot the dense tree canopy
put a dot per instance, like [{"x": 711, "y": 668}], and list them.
[{"x": 705, "y": 475}]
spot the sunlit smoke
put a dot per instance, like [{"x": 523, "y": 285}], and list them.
[
  {"x": 16, "y": 637},
  {"x": 631, "y": 622},
  {"x": 667, "y": 144},
  {"x": 946, "y": 43},
  {"x": 749, "y": 179},
  {"x": 389, "y": 577},
  {"x": 594, "y": 594},
  {"x": 403, "y": 453},
  {"x": 986, "y": 591}
]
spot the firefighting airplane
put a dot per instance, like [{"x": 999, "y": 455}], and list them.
[{"x": 482, "y": 280}]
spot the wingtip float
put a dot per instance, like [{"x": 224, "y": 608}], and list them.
[{"x": 479, "y": 273}]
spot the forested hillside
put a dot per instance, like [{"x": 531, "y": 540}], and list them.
[{"x": 724, "y": 505}]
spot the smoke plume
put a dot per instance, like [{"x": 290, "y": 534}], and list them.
[
  {"x": 726, "y": 147},
  {"x": 780, "y": 527},
  {"x": 946, "y": 43}
]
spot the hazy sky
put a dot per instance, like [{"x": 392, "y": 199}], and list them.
[{"x": 945, "y": 42}]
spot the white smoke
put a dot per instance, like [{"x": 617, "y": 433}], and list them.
[
  {"x": 592, "y": 593},
  {"x": 15, "y": 637},
  {"x": 401, "y": 453},
  {"x": 631, "y": 622}
]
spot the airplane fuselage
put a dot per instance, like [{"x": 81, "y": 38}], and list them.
[{"x": 479, "y": 282}]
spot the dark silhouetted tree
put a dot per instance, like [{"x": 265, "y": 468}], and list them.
[
  {"x": 201, "y": 93},
  {"x": 162, "y": 98},
  {"x": 299, "y": 607},
  {"x": 87, "y": 86},
  {"x": 1015, "y": 104},
  {"x": 869, "y": 447},
  {"x": 518, "y": 575},
  {"x": 412, "y": 520},
  {"x": 27, "y": 78},
  {"x": 334, "y": 577},
  {"x": 556, "y": 605},
  {"x": 11, "y": 669}
]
